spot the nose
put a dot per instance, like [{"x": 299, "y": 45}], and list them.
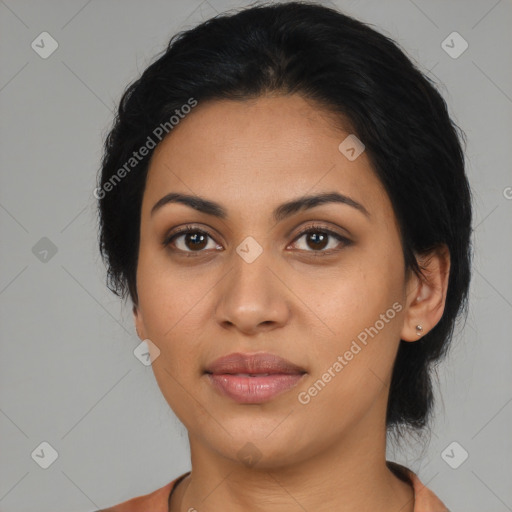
[{"x": 254, "y": 296}]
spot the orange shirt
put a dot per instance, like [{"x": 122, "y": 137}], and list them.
[{"x": 424, "y": 499}]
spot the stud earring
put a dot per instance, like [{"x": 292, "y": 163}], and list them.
[{"x": 419, "y": 329}]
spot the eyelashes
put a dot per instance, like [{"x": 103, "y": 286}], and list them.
[
  {"x": 201, "y": 237},
  {"x": 325, "y": 234},
  {"x": 187, "y": 230}
]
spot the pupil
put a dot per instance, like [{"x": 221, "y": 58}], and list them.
[
  {"x": 320, "y": 239},
  {"x": 197, "y": 239}
]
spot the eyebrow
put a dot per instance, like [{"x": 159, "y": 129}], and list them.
[{"x": 282, "y": 212}]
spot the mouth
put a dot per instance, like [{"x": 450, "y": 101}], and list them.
[
  {"x": 245, "y": 388},
  {"x": 253, "y": 378},
  {"x": 245, "y": 374}
]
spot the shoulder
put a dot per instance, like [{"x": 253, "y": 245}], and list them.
[
  {"x": 156, "y": 501},
  {"x": 424, "y": 499}
]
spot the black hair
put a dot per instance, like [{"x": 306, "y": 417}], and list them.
[{"x": 353, "y": 72}]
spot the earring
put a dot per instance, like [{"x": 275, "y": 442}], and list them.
[{"x": 419, "y": 329}]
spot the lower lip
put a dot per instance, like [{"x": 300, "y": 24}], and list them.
[{"x": 253, "y": 390}]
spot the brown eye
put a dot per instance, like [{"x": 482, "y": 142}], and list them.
[
  {"x": 317, "y": 241},
  {"x": 195, "y": 240},
  {"x": 318, "y": 238},
  {"x": 190, "y": 239}
]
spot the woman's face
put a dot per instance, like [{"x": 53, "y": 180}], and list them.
[{"x": 250, "y": 283}]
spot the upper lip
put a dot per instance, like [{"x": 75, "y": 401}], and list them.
[{"x": 253, "y": 363}]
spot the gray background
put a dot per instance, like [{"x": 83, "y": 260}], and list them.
[{"x": 68, "y": 375}]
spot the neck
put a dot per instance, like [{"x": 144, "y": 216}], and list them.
[{"x": 349, "y": 476}]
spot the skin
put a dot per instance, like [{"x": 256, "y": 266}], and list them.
[{"x": 250, "y": 157}]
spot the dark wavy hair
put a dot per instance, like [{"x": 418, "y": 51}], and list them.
[{"x": 364, "y": 80}]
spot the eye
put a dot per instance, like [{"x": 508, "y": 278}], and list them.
[
  {"x": 317, "y": 237},
  {"x": 190, "y": 239}
]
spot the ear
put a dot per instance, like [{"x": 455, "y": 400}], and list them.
[
  {"x": 139, "y": 322},
  {"x": 426, "y": 294}
]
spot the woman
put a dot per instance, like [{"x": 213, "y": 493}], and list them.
[{"x": 283, "y": 197}]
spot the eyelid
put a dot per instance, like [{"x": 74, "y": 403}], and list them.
[
  {"x": 317, "y": 226},
  {"x": 314, "y": 227},
  {"x": 184, "y": 230}
]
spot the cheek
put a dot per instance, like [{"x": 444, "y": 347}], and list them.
[
  {"x": 347, "y": 299},
  {"x": 171, "y": 302},
  {"x": 352, "y": 367},
  {"x": 171, "y": 310},
  {"x": 174, "y": 325},
  {"x": 361, "y": 310}
]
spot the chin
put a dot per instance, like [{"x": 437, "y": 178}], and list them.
[{"x": 260, "y": 445}]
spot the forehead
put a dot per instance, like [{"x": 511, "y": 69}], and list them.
[{"x": 253, "y": 152}]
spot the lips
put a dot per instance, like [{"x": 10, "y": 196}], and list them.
[
  {"x": 253, "y": 378},
  {"x": 253, "y": 365}
]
